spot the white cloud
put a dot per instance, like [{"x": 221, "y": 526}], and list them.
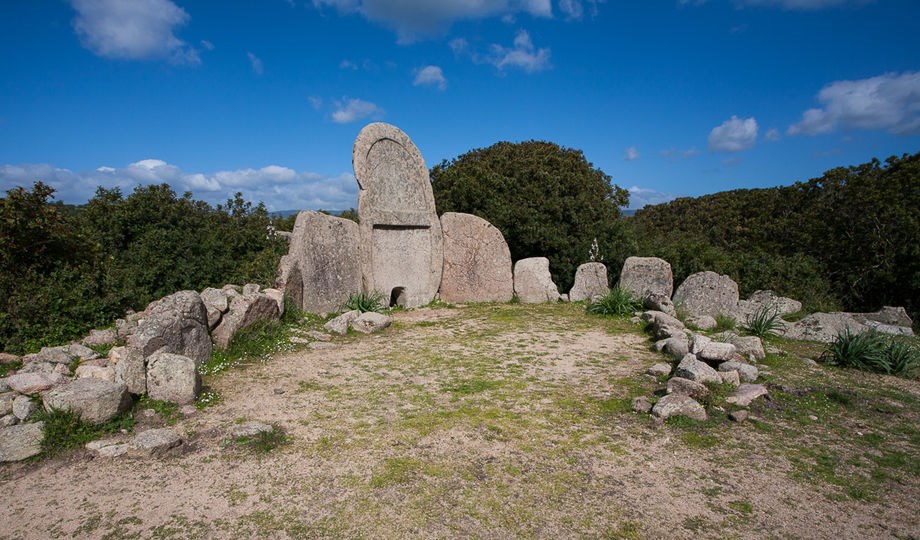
[
  {"x": 631, "y": 154},
  {"x": 280, "y": 188},
  {"x": 523, "y": 55},
  {"x": 412, "y": 19},
  {"x": 639, "y": 197},
  {"x": 772, "y": 135},
  {"x": 207, "y": 45},
  {"x": 347, "y": 64},
  {"x": 801, "y": 5},
  {"x": 459, "y": 46},
  {"x": 350, "y": 110},
  {"x": 430, "y": 76},
  {"x": 256, "y": 63},
  {"x": 574, "y": 9},
  {"x": 733, "y": 135},
  {"x": 672, "y": 154},
  {"x": 139, "y": 29},
  {"x": 316, "y": 102},
  {"x": 889, "y": 102}
]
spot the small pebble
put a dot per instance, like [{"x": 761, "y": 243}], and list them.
[{"x": 279, "y": 390}]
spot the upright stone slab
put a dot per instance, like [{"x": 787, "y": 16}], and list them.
[
  {"x": 477, "y": 261},
  {"x": 401, "y": 242},
  {"x": 590, "y": 281},
  {"x": 533, "y": 283},
  {"x": 647, "y": 276},
  {"x": 707, "y": 293},
  {"x": 323, "y": 264}
]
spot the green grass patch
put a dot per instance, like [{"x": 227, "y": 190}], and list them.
[
  {"x": 698, "y": 441},
  {"x": 64, "y": 430},
  {"x": 207, "y": 398},
  {"x": 167, "y": 410},
  {"x": 264, "y": 441},
  {"x": 466, "y": 387},
  {"x": 9, "y": 367},
  {"x": 618, "y": 301}
]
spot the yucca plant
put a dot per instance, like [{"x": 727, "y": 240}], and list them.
[
  {"x": 616, "y": 302},
  {"x": 871, "y": 351},
  {"x": 364, "y": 302},
  {"x": 763, "y": 323},
  {"x": 903, "y": 358}
]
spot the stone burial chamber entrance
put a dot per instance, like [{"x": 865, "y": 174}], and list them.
[{"x": 401, "y": 239}]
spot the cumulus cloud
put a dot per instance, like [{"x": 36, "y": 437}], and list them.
[
  {"x": 639, "y": 197},
  {"x": 430, "y": 76},
  {"x": 412, "y": 19},
  {"x": 256, "y": 63},
  {"x": 140, "y": 29},
  {"x": 733, "y": 135},
  {"x": 350, "y": 110},
  {"x": 575, "y": 9},
  {"x": 631, "y": 154},
  {"x": 280, "y": 188},
  {"x": 523, "y": 55},
  {"x": 772, "y": 135},
  {"x": 889, "y": 102}
]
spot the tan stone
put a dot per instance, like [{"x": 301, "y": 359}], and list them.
[
  {"x": 590, "y": 281},
  {"x": 533, "y": 284},
  {"x": 645, "y": 276},
  {"x": 477, "y": 261}
]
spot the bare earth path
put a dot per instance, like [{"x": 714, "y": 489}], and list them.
[{"x": 499, "y": 422}]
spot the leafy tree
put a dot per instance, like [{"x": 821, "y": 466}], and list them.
[{"x": 547, "y": 201}]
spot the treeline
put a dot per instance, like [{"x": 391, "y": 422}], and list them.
[
  {"x": 67, "y": 269},
  {"x": 847, "y": 240}
]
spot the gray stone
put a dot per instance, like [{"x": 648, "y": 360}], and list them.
[
  {"x": 703, "y": 322},
  {"x": 749, "y": 346},
  {"x": 659, "y": 318},
  {"x": 746, "y": 372},
  {"x": 38, "y": 367},
  {"x": 890, "y": 329},
  {"x": 6, "y": 402},
  {"x": 55, "y": 355},
  {"x": 745, "y": 394},
  {"x": 730, "y": 377},
  {"x": 154, "y": 442},
  {"x": 370, "y": 322},
  {"x": 21, "y": 442},
  {"x": 86, "y": 371},
  {"x": 340, "y": 324},
  {"x": 277, "y": 296},
  {"x": 659, "y": 370},
  {"x": 172, "y": 377},
  {"x": 401, "y": 238},
  {"x": 646, "y": 276},
  {"x": 679, "y": 385},
  {"x": 108, "y": 448},
  {"x": 82, "y": 352},
  {"x": 251, "y": 288},
  {"x": 533, "y": 283},
  {"x": 641, "y": 405},
  {"x": 7, "y": 358},
  {"x": 131, "y": 371},
  {"x": 31, "y": 383},
  {"x": 176, "y": 324},
  {"x": 61, "y": 369},
  {"x": 676, "y": 346},
  {"x": 770, "y": 300},
  {"x": 711, "y": 351},
  {"x": 116, "y": 354},
  {"x": 824, "y": 327},
  {"x": 590, "y": 281},
  {"x": 218, "y": 299},
  {"x": 8, "y": 420},
  {"x": 707, "y": 293},
  {"x": 97, "y": 338},
  {"x": 739, "y": 416},
  {"x": 318, "y": 336},
  {"x": 125, "y": 328},
  {"x": 477, "y": 261},
  {"x": 250, "y": 429},
  {"x": 323, "y": 263},
  {"x": 95, "y": 400},
  {"x": 695, "y": 370},
  {"x": 891, "y": 316},
  {"x": 660, "y": 302},
  {"x": 23, "y": 407},
  {"x": 244, "y": 310},
  {"x": 679, "y": 405},
  {"x": 4, "y": 386}
]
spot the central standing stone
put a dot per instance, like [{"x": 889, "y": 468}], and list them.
[{"x": 401, "y": 241}]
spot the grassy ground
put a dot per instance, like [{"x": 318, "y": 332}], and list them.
[{"x": 498, "y": 421}]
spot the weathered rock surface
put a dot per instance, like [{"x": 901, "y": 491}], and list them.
[
  {"x": 730, "y": 377},
  {"x": 370, "y": 322},
  {"x": 745, "y": 394},
  {"x": 679, "y": 385},
  {"x": 95, "y": 400},
  {"x": 216, "y": 303},
  {"x": 711, "y": 351},
  {"x": 108, "y": 447},
  {"x": 746, "y": 372},
  {"x": 767, "y": 300},
  {"x": 340, "y": 324},
  {"x": 748, "y": 346},
  {"x": 660, "y": 302},
  {"x": 824, "y": 327},
  {"x": 893, "y": 316},
  {"x": 695, "y": 370},
  {"x": 245, "y": 309},
  {"x": 679, "y": 405},
  {"x": 21, "y": 442},
  {"x": 172, "y": 377},
  {"x": 54, "y": 355},
  {"x": 177, "y": 324},
  {"x": 401, "y": 238},
  {"x": 477, "y": 261},
  {"x": 7, "y": 358},
  {"x": 703, "y": 322},
  {"x": 250, "y": 429},
  {"x": 23, "y": 407},
  {"x": 707, "y": 293},
  {"x": 659, "y": 370},
  {"x": 86, "y": 371},
  {"x": 251, "y": 288},
  {"x": 6, "y": 402},
  {"x": 98, "y": 338},
  {"x": 641, "y": 405},
  {"x": 533, "y": 283},
  {"x": 676, "y": 346},
  {"x": 647, "y": 276},
  {"x": 590, "y": 281},
  {"x": 323, "y": 264},
  {"x": 32, "y": 383},
  {"x": 154, "y": 442}
]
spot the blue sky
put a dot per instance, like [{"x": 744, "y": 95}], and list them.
[{"x": 266, "y": 97}]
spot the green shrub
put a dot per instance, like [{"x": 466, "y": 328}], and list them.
[
  {"x": 871, "y": 351},
  {"x": 616, "y": 302},
  {"x": 725, "y": 322},
  {"x": 364, "y": 302},
  {"x": 763, "y": 323}
]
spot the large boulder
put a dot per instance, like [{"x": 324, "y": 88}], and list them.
[
  {"x": 340, "y": 324},
  {"x": 695, "y": 370},
  {"x": 745, "y": 394},
  {"x": 824, "y": 327},
  {"x": 370, "y": 322},
  {"x": 172, "y": 377},
  {"x": 679, "y": 404},
  {"x": 707, "y": 293},
  {"x": 21, "y": 442},
  {"x": 98, "y": 338},
  {"x": 769, "y": 300},
  {"x": 888, "y": 320},
  {"x": 590, "y": 281},
  {"x": 245, "y": 309},
  {"x": 533, "y": 284},
  {"x": 647, "y": 276},
  {"x": 216, "y": 303},
  {"x": 323, "y": 264},
  {"x": 95, "y": 400},
  {"x": 176, "y": 324},
  {"x": 711, "y": 351},
  {"x": 477, "y": 261},
  {"x": 746, "y": 372},
  {"x": 33, "y": 383},
  {"x": 749, "y": 346},
  {"x": 679, "y": 385}
]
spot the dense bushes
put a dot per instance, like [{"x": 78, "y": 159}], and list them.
[{"x": 69, "y": 269}]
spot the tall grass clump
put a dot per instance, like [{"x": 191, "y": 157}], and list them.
[
  {"x": 364, "y": 302},
  {"x": 870, "y": 351},
  {"x": 618, "y": 301},
  {"x": 763, "y": 323}
]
